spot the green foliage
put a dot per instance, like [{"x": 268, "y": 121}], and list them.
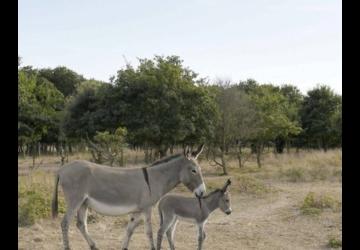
[
  {"x": 334, "y": 242},
  {"x": 161, "y": 104},
  {"x": 321, "y": 117},
  {"x": 273, "y": 111},
  {"x": 314, "y": 204},
  {"x": 89, "y": 111},
  {"x": 38, "y": 107},
  {"x": 64, "y": 79},
  {"x": 35, "y": 203}
]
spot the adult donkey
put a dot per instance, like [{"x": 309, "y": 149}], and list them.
[{"x": 118, "y": 191}]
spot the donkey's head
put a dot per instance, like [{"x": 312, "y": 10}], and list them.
[
  {"x": 191, "y": 175},
  {"x": 224, "y": 201}
]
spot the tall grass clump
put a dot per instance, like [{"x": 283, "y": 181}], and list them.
[
  {"x": 314, "y": 204},
  {"x": 34, "y": 202}
]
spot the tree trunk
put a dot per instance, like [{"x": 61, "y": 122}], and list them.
[
  {"x": 258, "y": 154},
  {"x": 223, "y": 162},
  {"x": 122, "y": 163},
  {"x": 146, "y": 152},
  {"x": 171, "y": 149},
  {"x": 288, "y": 147},
  {"x": 240, "y": 157}
]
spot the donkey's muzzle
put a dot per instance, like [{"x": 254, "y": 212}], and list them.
[
  {"x": 228, "y": 212},
  {"x": 200, "y": 190}
]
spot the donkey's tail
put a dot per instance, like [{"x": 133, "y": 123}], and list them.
[{"x": 54, "y": 204}]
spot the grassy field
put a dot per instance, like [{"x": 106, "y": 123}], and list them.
[{"x": 292, "y": 202}]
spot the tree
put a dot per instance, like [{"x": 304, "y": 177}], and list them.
[
  {"x": 161, "y": 104},
  {"x": 294, "y": 100},
  {"x": 236, "y": 122},
  {"x": 38, "y": 107},
  {"x": 271, "y": 108},
  {"x": 321, "y": 117},
  {"x": 108, "y": 146},
  {"x": 89, "y": 110},
  {"x": 64, "y": 79}
]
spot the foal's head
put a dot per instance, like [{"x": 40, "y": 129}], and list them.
[
  {"x": 191, "y": 175},
  {"x": 224, "y": 201}
]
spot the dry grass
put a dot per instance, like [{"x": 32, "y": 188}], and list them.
[{"x": 268, "y": 206}]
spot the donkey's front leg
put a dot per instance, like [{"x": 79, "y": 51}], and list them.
[
  {"x": 201, "y": 235},
  {"x": 133, "y": 223},
  {"x": 148, "y": 227}
]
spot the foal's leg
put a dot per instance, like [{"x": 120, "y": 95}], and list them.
[
  {"x": 168, "y": 220},
  {"x": 148, "y": 228},
  {"x": 170, "y": 234},
  {"x": 135, "y": 219},
  {"x": 201, "y": 235},
  {"x": 82, "y": 225}
]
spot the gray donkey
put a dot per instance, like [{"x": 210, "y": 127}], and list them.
[
  {"x": 118, "y": 191},
  {"x": 174, "y": 207}
]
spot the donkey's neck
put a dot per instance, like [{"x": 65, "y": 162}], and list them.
[
  {"x": 164, "y": 177},
  {"x": 212, "y": 201}
]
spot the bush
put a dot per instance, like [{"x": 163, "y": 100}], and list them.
[
  {"x": 35, "y": 203},
  {"x": 319, "y": 173},
  {"x": 250, "y": 185},
  {"x": 294, "y": 174},
  {"x": 315, "y": 204},
  {"x": 334, "y": 242}
]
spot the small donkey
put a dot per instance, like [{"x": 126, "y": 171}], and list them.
[{"x": 196, "y": 210}]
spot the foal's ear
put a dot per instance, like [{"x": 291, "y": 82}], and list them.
[
  {"x": 198, "y": 151},
  {"x": 227, "y": 184}
]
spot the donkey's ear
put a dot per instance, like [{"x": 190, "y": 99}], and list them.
[
  {"x": 187, "y": 151},
  {"x": 227, "y": 184},
  {"x": 198, "y": 151}
]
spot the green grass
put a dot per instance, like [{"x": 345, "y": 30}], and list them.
[{"x": 334, "y": 242}]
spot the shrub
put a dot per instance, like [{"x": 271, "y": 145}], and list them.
[
  {"x": 35, "y": 203},
  {"x": 315, "y": 204},
  {"x": 319, "y": 173},
  {"x": 250, "y": 185},
  {"x": 294, "y": 174}
]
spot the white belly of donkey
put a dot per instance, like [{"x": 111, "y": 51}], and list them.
[{"x": 109, "y": 209}]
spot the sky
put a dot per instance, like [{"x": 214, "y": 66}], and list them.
[{"x": 295, "y": 42}]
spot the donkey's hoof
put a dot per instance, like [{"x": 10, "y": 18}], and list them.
[{"x": 94, "y": 248}]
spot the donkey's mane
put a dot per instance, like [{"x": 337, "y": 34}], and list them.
[{"x": 165, "y": 159}]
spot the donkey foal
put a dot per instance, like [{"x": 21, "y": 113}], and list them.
[{"x": 174, "y": 207}]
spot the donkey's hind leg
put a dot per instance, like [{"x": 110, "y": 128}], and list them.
[
  {"x": 135, "y": 219},
  {"x": 170, "y": 234},
  {"x": 82, "y": 225},
  {"x": 69, "y": 215}
]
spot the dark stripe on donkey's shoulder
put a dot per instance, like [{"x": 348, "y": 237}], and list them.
[{"x": 146, "y": 177}]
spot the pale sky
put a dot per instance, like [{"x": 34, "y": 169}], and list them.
[{"x": 289, "y": 41}]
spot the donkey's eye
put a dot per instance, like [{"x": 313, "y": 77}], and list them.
[
  {"x": 193, "y": 171},
  {"x": 227, "y": 200}
]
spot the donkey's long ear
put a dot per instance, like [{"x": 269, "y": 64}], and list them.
[
  {"x": 187, "y": 151},
  {"x": 198, "y": 151},
  {"x": 227, "y": 184}
]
